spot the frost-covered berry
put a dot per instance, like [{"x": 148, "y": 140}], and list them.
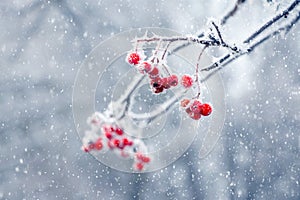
[
  {"x": 108, "y": 135},
  {"x": 98, "y": 144},
  {"x": 165, "y": 83},
  {"x": 119, "y": 131},
  {"x": 173, "y": 80},
  {"x": 156, "y": 82},
  {"x": 133, "y": 58},
  {"x": 196, "y": 106},
  {"x": 153, "y": 73},
  {"x": 127, "y": 142},
  {"x": 144, "y": 67},
  {"x": 186, "y": 81},
  {"x": 206, "y": 109},
  {"x": 184, "y": 102},
  {"x": 139, "y": 166}
]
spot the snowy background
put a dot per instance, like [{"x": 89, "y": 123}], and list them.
[{"x": 43, "y": 43}]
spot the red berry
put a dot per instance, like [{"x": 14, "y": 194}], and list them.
[
  {"x": 173, "y": 80},
  {"x": 165, "y": 83},
  {"x": 186, "y": 81},
  {"x": 206, "y": 109},
  {"x": 145, "y": 159},
  {"x": 196, "y": 106},
  {"x": 158, "y": 89},
  {"x": 91, "y": 146},
  {"x": 153, "y": 73},
  {"x": 98, "y": 144},
  {"x": 195, "y": 115},
  {"x": 133, "y": 58},
  {"x": 184, "y": 102},
  {"x": 85, "y": 149},
  {"x": 119, "y": 131},
  {"x": 108, "y": 135},
  {"x": 145, "y": 67},
  {"x": 156, "y": 82},
  {"x": 116, "y": 143},
  {"x": 127, "y": 142},
  {"x": 139, "y": 166}
]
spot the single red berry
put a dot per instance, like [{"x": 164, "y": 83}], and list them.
[
  {"x": 145, "y": 159},
  {"x": 108, "y": 135},
  {"x": 116, "y": 143},
  {"x": 196, "y": 106},
  {"x": 98, "y": 144},
  {"x": 165, "y": 83},
  {"x": 186, "y": 81},
  {"x": 133, "y": 58},
  {"x": 206, "y": 109},
  {"x": 85, "y": 149},
  {"x": 91, "y": 146},
  {"x": 139, "y": 166},
  {"x": 153, "y": 73},
  {"x": 119, "y": 131},
  {"x": 173, "y": 80},
  {"x": 144, "y": 67},
  {"x": 184, "y": 102},
  {"x": 127, "y": 142}
]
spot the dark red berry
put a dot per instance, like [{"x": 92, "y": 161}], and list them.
[
  {"x": 133, "y": 58},
  {"x": 156, "y": 82},
  {"x": 108, "y": 135},
  {"x": 127, "y": 142},
  {"x": 206, "y": 109},
  {"x": 158, "y": 89},
  {"x": 186, "y": 81},
  {"x": 119, "y": 131},
  {"x": 85, "y": 149}
]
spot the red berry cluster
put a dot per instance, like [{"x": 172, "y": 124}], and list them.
[
  {"x": 97, "y": 145},
  {"x": 115, "y": 137},
  {"x": 140, "y": 161},
  {"x": 158, "y": 82},
  {"x": 196, "y": 109}
]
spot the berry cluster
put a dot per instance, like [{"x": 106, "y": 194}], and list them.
[
  {"x": 112, "y": 137},
  {"x": 115, "y": 137},
  {"x": 195, "y": 109},
  {"x": 158, "y": 82}
]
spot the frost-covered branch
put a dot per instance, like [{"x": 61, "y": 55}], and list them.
[{"x": 251, "y": 40}]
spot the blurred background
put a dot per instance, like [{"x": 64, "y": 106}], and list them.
[{"x": 43, "y": 43}]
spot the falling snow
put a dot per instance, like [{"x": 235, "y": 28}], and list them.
[{"x": 42, "y": 45}]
